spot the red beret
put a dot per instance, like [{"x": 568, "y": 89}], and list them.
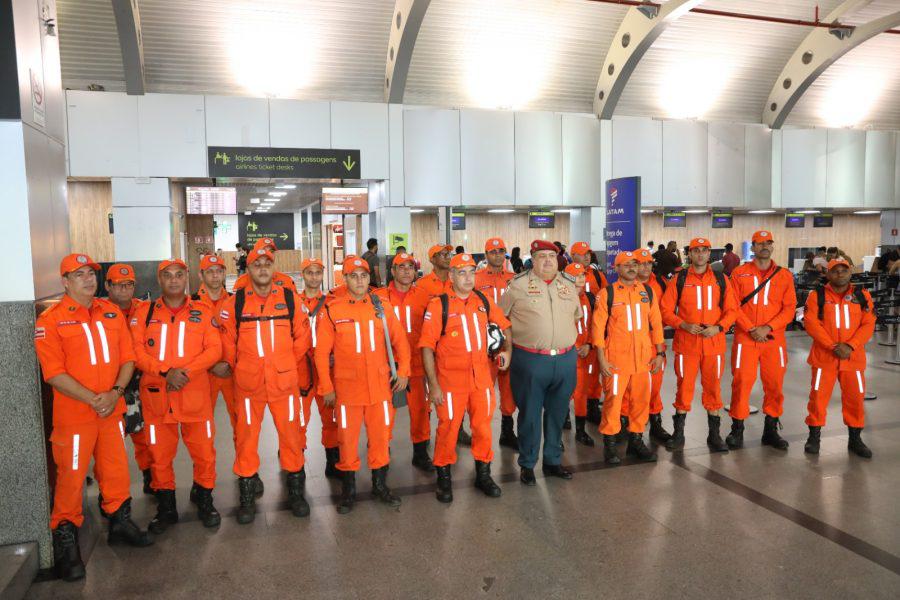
[{"x": 537, "y": 245}]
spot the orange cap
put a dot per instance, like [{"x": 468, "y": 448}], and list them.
[
  {"x": 624, "y": 257},
  {"x": 644, "y": 256},
  {"x": 120, "y": 272},
  {"x": 308, "y": 262},
  {"x": 580, "y": 248},
  {"x": 165, "y": 264},
  {"x": 439, "y": 248},
  {"x": 762, "y": 236},
  {"x": 210, "y": 260},
  {"x": 258, "y": 253},
  {"x": 403, "y": 257},
  {"x": 462, "y": 260},
  {"x": 73, "y": 262},
  {"x": 494, "y": 243},
  {"x": 574, "y": 269},
  {"x": 351, "y": 263},
  {"x": 836, "y": 262},
  {"x": 700, "y": 243},
  {"x": 265, "y": 243}
]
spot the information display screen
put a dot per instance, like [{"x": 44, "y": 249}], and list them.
[
  {"x": 795, "y": 220},
  {"x": 674, "y": 219},
  {"x": 823, "y": 220},
  {"x": 345, "y": 201},
  {"x": 541, "y": 219},
  {"x": 211, "y": 200},
  {"x": 457, "y": 221},
  {"x": 722, "y": 220}
]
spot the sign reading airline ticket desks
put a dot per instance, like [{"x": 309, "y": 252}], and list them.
[{"x": 283, "y": 163}]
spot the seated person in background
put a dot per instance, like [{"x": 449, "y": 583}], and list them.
[
  {"x": 808, "y": 263},
  {"x": 820, "y": 262}
]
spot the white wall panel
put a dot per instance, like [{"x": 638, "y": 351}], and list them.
[
  {"x": 395, "y": 140},
  {"x": 758, "y": 166},
  {"x": 237, "y": 121},
  {"x": 14, "y": 226},
  {"x": 581, "y": 156},
  {"x": 726, "y": 160},
  {"x": 538, "y": 167},
  {"x": 142, "y": 232},
  {"x": 881, "y": 161},
  {"x": 487, "y": 157},
  {"x": 431, "y": 157},
  {"x": 363, "y": 126},
  {"x": 140, "y": 192},
  {"x": 103, "y": 134},
  {"x": 172, "y": 133},
  {"x": 803, "y": 167},
  {"x": 299, "y": 124},
  {"x": 637, "y": 151},
  {"x": 846, "y": 168},
  {"x": 685, "y": 158}
]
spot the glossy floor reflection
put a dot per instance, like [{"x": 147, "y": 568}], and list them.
[{"x": 756, "y": 523}]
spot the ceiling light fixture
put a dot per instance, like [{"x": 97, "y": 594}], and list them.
[
  {"x": 696, "y": 211},
  {"x": 562, "y": 210},
  {"x": 645, "y": 211},
  {"x": 416, "y": 210},
  {"x": 867, "y": 212},
  {"x": 763, "y": 211},
  {"x": 809, "y": 212},
  {"x": 247, "y": 212},
  {"x": 278, "y": 194},
  {"x": 286, "y": 186},
  {"x": 499, "y": 211},
  {"x": 254, "y": 200}
]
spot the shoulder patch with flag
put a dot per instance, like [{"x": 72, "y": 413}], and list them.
[
  {"x": 39, "y": 333},
  {"x": 223, "y": 315}
]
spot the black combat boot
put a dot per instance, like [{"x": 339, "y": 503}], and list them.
[
  {"x": 332, "y": 456},
  {"x": 67, "y": 563},
  {"x": 735, "y": 439},
  {"x": 123, "y": 529},
  {"x": 348, "y": 492},
  {"x": 637, "y": 448},
  {"x": 484, "y": 481},
  {"x": 581, "y": 436},
  {"x": 610, "y": 452},
  {"x": 380, "y": 489},
  {"x": 593, "y": 411},
  {"x": 296, "y": 485},
  {"x": 770, "y": 435},
  {"x": 623, "y": 429},
  {"x": 508, "y": 433},
  {"x": 420, "y": 458},
  {"x": 444, "y": 492},
  {"x": 714, "y": 439},
  {"x": 812, "y": 442},
  {"x": 166, "y": 512},
  {"x": 567, "y": 424},
  {"x": 855, "y": 443},
  {"x": 258, "y": 488},
  {"x": 677, "y": 440},
  {"x": 657, "y": 431},
  {"x": 206, "y": 512},
  {"x": 247, "y": 510},
  {"x": 148, "y": 481}
]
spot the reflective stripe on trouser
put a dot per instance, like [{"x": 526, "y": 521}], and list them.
[
  {"x": 853, "y": 389},
  {"x": 542, "y": 385},
  {"x": 226, "y": 386},
  {"x": 637, "y": 386},
  {"x": 141, "y": 449},
  {"x": 419, "y": 410},
  {"x": 771, "y": 361},
  {"x": 656, "y": 380},
  {"x": 326, "y": 415},
  {"x": 582, "y": 385},
  {"x": 73, "y": 447},
  {"x": 480, "y": 403},
  {"x": 250, "y": 412},
  {"x": 596, "y": 384},
  {"x": 378, "y": 418},
  {"x": 711, "y": 368},
  {"x": 199, "y": 438}
]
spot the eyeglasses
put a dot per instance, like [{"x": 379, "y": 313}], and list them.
[{"x": 124, "y": 285}]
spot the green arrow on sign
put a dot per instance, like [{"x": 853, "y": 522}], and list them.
[
  {"x": 349, "y": 163},
  {"x": 283, "y": 236}
]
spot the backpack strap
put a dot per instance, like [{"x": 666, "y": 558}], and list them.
[
  {"x": 765, "y": 281},
  {"x": 150, "y": 312},
  {"x": 318, "y": 307},
  {"x": 660, "y": 280},
  {"x": 195, "y": 297},
  {"x": 289, "y": 300},
  {"x": 445, "y": 312},
  {"x": 239, "y": 297},
  {"x": 592, "y": 300},
  {"x": 484, "y": 300},
  {"x": 649, "y": 291},
  {"x": 861, "y": 298},
  {"x": 720, "y": 280},
  {"x": 820, "y": 301},
  {"x": 610, "y": 291},
  {"x": 679, "y": 287}
]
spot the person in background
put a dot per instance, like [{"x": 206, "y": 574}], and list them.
[
  {"x": 438, "y": 281},
  {"x": 516, "y": 260},
  {"x": 730, "y": 260},
  {"x": 389, "y": 275},
  {"x": 650, "y": 246},
  {"x": 890, "y": 255},
  {"x": 371, "y": 257},
  {"x": 240, "y": 261},
  {"x": 666, "y": 260},
  {"x": 835, "y": 252},
  {"x": 459, "y": 250},
  {"x": 820, "y": 262},
  {"x": 808, "y": 263},
  {"x": 562, "y": 259}
]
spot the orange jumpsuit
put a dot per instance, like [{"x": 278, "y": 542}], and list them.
[
  {"x": 493, "y": 285},
  {"x": 217, "y": 385},
  {"x": 434, "y": 286},
  {"x": 844, "y": 320},
  {"x": 183, "y": 338},
  {"x": 90, "y": 345},
  {"x": 350, "y": 330},
  {"x": 139, "y": 439},
  {"x": 628, "y": 337},
  {"x": 278, "y": 278},
  {"x": 656, "y": 379},
  {"x": 463, "y": 371},
  {"x": 326, "y": 414},
  {"x": 595, "y": 281},
  {"x": 699, "y": 304},
  {"x": 269, "y": 363},
  {"x": 585, "y": 371},
  {"x": 410, "y": 310},
  {"x": 774, "y": 305}
]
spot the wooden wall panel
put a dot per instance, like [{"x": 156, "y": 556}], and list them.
[{"x": 90, "y": 203}]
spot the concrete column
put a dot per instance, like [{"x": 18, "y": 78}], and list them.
[
  {"x": 890, "y": 227},
  {"x": 392, "y": 221}
]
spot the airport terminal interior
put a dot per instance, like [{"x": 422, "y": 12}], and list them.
[{"x": 516, "y": 159}]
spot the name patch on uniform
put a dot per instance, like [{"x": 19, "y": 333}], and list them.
[
  {"x": 39, "y": 333},
  {"x": 280, "y": 306},
  {"x": 618, "y": 304},
  {"x": 643, "y": 293},
  {"x": 109, "y": 315},
  {"x": 339, "y": 321},
  {"x": 195, "y": 313},
  {"x": 64, "y": 323},
  {"x": 195, "y": 319}
]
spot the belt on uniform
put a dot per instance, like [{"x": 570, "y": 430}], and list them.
[{"x": 552, "y": 352}]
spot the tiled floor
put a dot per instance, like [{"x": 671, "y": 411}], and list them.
[{"x": 755, "y": 523}]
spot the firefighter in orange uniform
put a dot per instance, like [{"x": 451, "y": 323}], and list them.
[
  {"x": 492, "y": 281},
  {"x": 454, "y": 346},
  {"x": 627, "y": 331},
  {"x": 438, "y": 281},
  {"x": 767, "y": 304},
  {"x": 840, "y": 318},
  {"x": 410, "y": 302},
  {"x": 213, "y": 294},
  {"x": 595, "y": 281},
  {"x": 278, "y": 278},
  {"x": 583, "y": 369},
  {"x": 120, "y": 282},
  {"x": 86, "y": 356},
  {"x": 700, "y": 305},
  {"x": 176, "y": 342},
  {"x": 352, "y": 330},
  {"x": 313, "y": 302},
  {"x": 265, "y": 339}
]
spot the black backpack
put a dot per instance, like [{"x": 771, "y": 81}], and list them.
[
  {"x": 239, "y": 299},
  {"x": 682, "y": 277},
  {"x": 857, "y": 293},
  {"x": 609, "y": 300},
  {"x": 445, "y": 308}
]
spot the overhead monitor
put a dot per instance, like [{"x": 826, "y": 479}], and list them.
[
  {"x": 722, "y": 220},
  {"x": 457, "y": 221},
  {"x": 345, "y": 201},
  {"x": 795, "y": 220},
  {"x": 211, "y": 200},
  {"x": 541, "y": 219},
  {"x": 674, "y": 219},
  {"x": 823, "y": 220}
]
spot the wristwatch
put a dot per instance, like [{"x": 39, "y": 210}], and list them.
[
  {"x": 663, "y": 354},
  {"x": 118, "y": 389}
]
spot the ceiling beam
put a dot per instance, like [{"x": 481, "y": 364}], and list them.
[
  {"x": 128, "y": 24},
  {"x": 819, "y": 50},
  {"x": 640, "y": 27},
  {"x": 405, "y": 23}
]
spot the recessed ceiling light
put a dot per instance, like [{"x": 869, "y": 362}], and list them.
[
  {"x": 247, "y": 212},
  {"x": 286, "y": 186},
  {"x": 644, "y": 211},
  {"x": 254, "y": 200},
  {"x": 417, "y": 210},
  {"x": 696, "y": 212},
  {"x": 278, "y": 194},
  {"x": 764, "y": 211},
  {"x": 809, "y": 212},
  {"x": 501, "y": 210},
  {"x": 867, "y": 212}
]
